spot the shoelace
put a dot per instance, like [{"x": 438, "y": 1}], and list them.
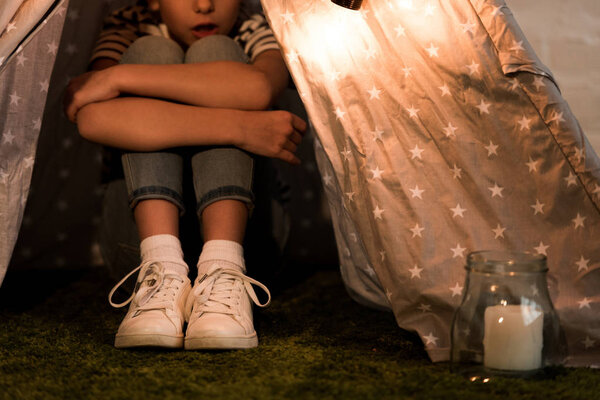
[
  {"x": 154, "y": 289},
  {"x": 216, "y": 292}
]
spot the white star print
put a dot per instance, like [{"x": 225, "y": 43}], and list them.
[
  {"x": 71, "y": 49},
  {"x": 579, "y": 154},
  {"x": 37, "y": 124},
  {"x": 28, "y": 161},
  {"x": 484, "y": 108},
  {"x": 288, "y": 17},
  {"x": 584, "y": 303},
  {"x": 339, "y": 114},
  {"x": 424, "y": 308},
  {"x": 415, "y": 272},
  {"x": 416, "y": 231},
  {"x": 458, "y": 211},
  {"x": 292, "y": 56},
  {"x": 388, "y": 294},
  {"x": 21, "y": 60},
  {"x": 450, "y": 130},
  {"x": 578, "y": 221},
  {"x": 429, "y": 10},
  {"x": 377, "y": 172},
  {"x": 374, "y": 93},
  {"x": 413, "y": 111},
  {"x": 334, "y": 76},
  {"x": 532, "y": 165},
  {"x": 4, "y": 176},
  {"x": 445, "y": 90},
  {"x": 538, "y": 82},
  {"x": 346, "y": 153},
  {"x": 8, "y": 137},
  {"x": 457, "y": 172},
  {"x": 328, "y": 179},
  {"x": 14, "y": 99},
  {"x": 524, "y": 123},
  {"x": 456, "y": 290},
  {"x": 44, "y": 86},
  {"x": 468, "y": 27},
  {"x": 73, "y": 15},
  {"x": 52, "y": 48},
  {"x": 354, "y": 237},
  {"x": 492, "y": 149},
  {"x": 517, "y": 46},
  {"x": 497, "y": 11},
  {"x": 377, "y": 133},
  {"x": 11, "y": 26},
  {"x": 370, "y": 53},
  {"x": 400, "y": 31},
  {"x": 557, "y": 117},
  {"x": 430, "y": 339},
  {"x": 473, "y": 68},
  {"x": 369, "y": 270},
  {"x": 433, "y": 51},
  {"x": 377, "y": 212},
  {"x": 407, "y": 71},
  {"x": 416, "y": 192},
  {"x": 416, "y": 152},
  {"x": 588, "y": 342},
  {"x": 458, "y": 251},
  {"x": 514, "y": 84},
  {"x": 496, "y": 190},
  {"x": 542, "y": 248},
  {"x": 538, "y": 207},
  {"x": 571, "y": 179},
  {"x": 382, "y": 255},
  {"x": 582, "y": 264},
  {"x": 499, "y": 232}
]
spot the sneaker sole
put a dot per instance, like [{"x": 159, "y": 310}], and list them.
[
  {"x": 203, "y": 343},
  {"x": 170, "y": 342}
]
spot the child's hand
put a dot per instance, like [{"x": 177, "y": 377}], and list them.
[
  {"x": 91, "y": 87},
  {"x": 274, "y": 134}
]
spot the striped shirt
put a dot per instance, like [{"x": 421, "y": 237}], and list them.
[{"x": 127, "y": 24}]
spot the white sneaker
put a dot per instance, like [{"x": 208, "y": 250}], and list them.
[
  {"x": 155, "y": 317},
  {"x": 219, "y": 310}
]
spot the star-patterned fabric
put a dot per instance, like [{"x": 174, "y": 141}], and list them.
[
  {"x": 440, "y": 133},
  {"x": 22, "y": 101}
]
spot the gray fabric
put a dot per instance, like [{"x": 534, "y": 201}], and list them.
[
  {"x": 441, "y": 134},
  {"x": 24, "y": 85}
]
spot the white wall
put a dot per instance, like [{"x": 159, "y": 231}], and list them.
[{"x": 566, "y": 36}]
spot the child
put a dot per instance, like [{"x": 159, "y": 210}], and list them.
[{"x": 190, "y": 85}]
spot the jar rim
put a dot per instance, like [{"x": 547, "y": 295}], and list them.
[{"x": 499, "y": 261}]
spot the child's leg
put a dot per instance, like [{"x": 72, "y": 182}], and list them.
[
  {"x": 155, "y": 317},
  {"x": 222, "y": 315}
]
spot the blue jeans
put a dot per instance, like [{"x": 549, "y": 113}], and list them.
[{"x": 219, "y": 173}]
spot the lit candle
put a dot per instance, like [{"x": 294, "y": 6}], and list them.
[{"x": 513, "y": 337}]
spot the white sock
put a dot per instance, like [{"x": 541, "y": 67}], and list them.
[
  {"x": 166, "y": 249},
  {"x": 225, "y": 253}
]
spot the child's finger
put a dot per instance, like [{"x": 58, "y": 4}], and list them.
[
  {"x": 289, "y": 157},
  {"x": 290, "y": 146},
  {"x": 296, "y": 137},
  {"x": 298, "y": 123}
]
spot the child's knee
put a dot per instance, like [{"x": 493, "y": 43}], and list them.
[
  {"x": 215, "y": 48},
  {"x": 153, "y": 50}
]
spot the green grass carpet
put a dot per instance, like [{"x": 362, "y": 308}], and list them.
[{"x": 57, "y": 331}]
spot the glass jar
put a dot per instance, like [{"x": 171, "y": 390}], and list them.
[{"x": 506, "y": 324}]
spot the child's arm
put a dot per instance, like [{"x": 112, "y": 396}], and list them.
[
  {"x": 143, "y": 124},
  {"x": 223, "y": 84}
]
